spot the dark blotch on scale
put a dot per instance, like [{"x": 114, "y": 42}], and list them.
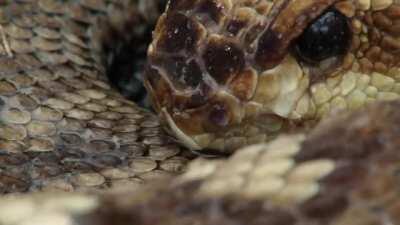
[
  {"x": 180, "y": 33},
  {"x": 186, "y": 78},
  {"x": 185, "y": 72},
  {"x": 269, "y": 50},
  {"x": 187, "y": 75},
  {"x": 223, "y": 60},
  {"x": 328, "y": 36}
]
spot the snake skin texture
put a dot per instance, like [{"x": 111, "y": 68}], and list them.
[
  {"x": 315, "y": 180},
  {"x": 62, "y": 125},
  {"x": 226, "y": 73},
  {"x": 65, "y": 128}
]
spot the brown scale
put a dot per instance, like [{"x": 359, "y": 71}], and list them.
[
  {"x": 178, "y": 33},
  {"x": 223, "y": 59},
  {"x": 380, "y": 52}
]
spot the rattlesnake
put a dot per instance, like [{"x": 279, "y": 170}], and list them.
[{"x": 222, "y": 74}]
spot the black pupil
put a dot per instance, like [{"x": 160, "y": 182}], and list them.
[{"x": 328, "y": 36}]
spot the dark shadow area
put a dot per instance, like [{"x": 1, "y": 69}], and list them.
[{"x": 126, "y": 54}]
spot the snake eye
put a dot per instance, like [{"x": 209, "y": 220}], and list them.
[{"x": 327, "y": 36}]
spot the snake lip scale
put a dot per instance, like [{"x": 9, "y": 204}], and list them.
[{"x": 300, "y": 97}]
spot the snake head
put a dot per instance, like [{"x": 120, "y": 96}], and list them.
[{"x": 224, "y": 73}]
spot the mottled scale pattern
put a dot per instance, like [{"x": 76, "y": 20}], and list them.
[
  {"x": 311, "y": 180},
  {"x": 225, "y": 73},
  {"x": 63, "y": 127},
  {"x": 293, "y": 180}
]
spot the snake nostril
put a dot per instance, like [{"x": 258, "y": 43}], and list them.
[{"x": 327, "y": 36}]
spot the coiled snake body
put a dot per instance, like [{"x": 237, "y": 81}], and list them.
[{"x": 222, "y": 74}]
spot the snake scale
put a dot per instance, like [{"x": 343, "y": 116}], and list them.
[{"x": 222, "y": 75}]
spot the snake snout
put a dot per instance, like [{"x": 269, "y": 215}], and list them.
[
  {"x": 205, "y": 86},
  {"x": 233, "y": 75}
]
